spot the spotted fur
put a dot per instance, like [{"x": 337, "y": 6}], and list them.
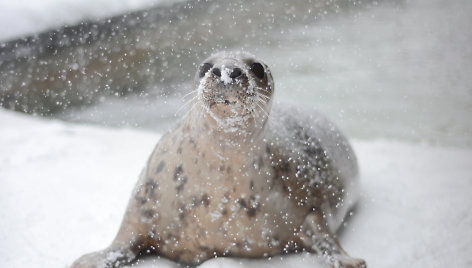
[{"x": 231, "y": 181}]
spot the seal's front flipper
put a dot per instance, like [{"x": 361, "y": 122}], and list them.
[
  {"x": 115, "y": 255},
  {"x": 317, "y": 238}
]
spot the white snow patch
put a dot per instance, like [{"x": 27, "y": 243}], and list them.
[
  {"x": 23, "y": 17},
  {"x": 64, "y": 189},
  {"x": 215, "y": 215},
  {"x": 225, "y": 72}
]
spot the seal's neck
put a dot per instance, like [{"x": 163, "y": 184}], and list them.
[{"x": 221, "y": 137}]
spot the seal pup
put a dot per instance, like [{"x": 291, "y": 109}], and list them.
[{"x": 235, "y": 178}]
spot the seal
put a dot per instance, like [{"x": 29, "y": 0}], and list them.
[{"x": 237, "y": 178}]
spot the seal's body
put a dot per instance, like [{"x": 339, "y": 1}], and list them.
[{"x": 230, "y": 180}]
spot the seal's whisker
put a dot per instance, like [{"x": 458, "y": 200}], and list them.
[
  {"x": 263, "y": 111},
  {"x": 185, "y": 105},
  {"x": 266, "y": 114},
  {"x": 255, "y": 112},
  {"x": 261, "y": 100},
  {"x": 264, "y": 89},
  {"x": 191, "y": 92},
  {"x": 262, "y": 95},
  {"x": 192, "y": 109},
  {"x": 195, "y": 107},
  {"x": 262, "y": 104}
]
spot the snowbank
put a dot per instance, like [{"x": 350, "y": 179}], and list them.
[
  {"x": 28, "y": 17},
  {"x": 64, "y": 187}
]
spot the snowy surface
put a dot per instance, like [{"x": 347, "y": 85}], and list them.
[
  {"x": 25, "y": 17},
  {"x": 64, "y": 188}
]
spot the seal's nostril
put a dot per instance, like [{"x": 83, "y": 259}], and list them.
[
  {"x": 217, "y": 72},
  {"x": 204, "y": 68},
  {"x": 235, "y": 73}
]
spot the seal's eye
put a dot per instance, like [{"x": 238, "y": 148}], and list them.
[
  {"x": 257, "y": 69},
  {"x": 205, "y": 68}
]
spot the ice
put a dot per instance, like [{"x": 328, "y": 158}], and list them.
[{"x": 64, "y": 189}]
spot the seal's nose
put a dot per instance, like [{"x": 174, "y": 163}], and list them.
[
  {"x": 235, "y": 73},
  {"x": 217, "y": 72}
]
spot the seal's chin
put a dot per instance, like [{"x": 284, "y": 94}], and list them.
[{"x": 227, "y": 101}]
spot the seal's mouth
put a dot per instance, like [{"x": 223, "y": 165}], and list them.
[
  {"x": 222, "y": 102},
  {"x": 226, "y": 96},
  {"x": 229, "y": 106}
]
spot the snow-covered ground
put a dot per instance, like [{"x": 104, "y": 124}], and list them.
[
  {"x": 64, "y": 188},
  {"x": 25, "y": 17}
]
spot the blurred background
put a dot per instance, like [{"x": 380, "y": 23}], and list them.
[{"x": 392, "y": 69}]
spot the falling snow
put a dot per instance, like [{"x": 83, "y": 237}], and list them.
[{"x": 395, "y": 75}]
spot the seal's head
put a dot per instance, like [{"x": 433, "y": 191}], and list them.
[{"x": 235, "y": 89}]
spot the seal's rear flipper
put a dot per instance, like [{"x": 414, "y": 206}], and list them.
[
  {"x": 125, "y": 249},
  {"x": 113, "y": 256},
  {"x": 317, "y": 238}
]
